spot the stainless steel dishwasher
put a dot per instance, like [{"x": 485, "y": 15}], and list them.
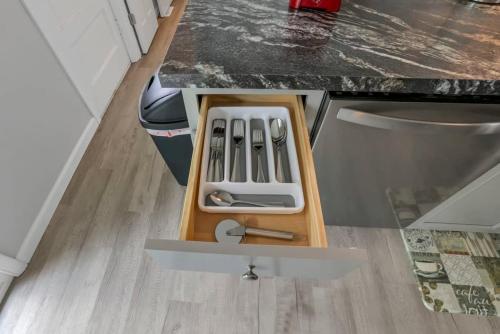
[{"x": 387, "y": 163}]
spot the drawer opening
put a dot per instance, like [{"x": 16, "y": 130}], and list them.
[{"x": 308, "y": 225}]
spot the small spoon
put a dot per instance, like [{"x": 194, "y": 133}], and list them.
[
  {"x": 222, "y": 198},
  {"x": 278, "y": 135}
]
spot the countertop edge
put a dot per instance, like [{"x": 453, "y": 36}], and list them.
[{"x": 333, "y": 83}]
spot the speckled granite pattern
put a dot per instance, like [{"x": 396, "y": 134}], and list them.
[{"x": 412, "y": 46}]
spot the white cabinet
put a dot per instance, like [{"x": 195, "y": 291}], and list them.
[
  {"x": 164, "y": 7},
  {"x": 144, "y": 21},
  {"x": 85, "y": 37}
]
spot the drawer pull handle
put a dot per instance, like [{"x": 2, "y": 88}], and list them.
[
  {"x": 402, "y": 124},
  {"x": 250, "y": 275}
]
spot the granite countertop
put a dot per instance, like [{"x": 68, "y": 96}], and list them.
[{"x": 417, "y": 46}]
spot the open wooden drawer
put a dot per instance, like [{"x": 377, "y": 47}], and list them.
[
  {"x": 307, "y": 255},
  {"x": 307, "y": 225}
]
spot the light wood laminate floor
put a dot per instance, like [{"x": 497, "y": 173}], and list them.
[{"x": 90, "y": 273}]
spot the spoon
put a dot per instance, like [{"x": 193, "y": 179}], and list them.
[
  {"x": 222, "y": 198},
  {"x": 278, "y": 135}
]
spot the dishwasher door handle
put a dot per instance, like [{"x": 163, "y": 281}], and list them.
[{"x": 427, "y": 127}]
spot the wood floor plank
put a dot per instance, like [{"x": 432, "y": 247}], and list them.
[
  {"x": 168, "y": 207},
  {"x": 278, "y": 308},
  {"x": 495, "y": 324},
  {"x": 25, "y": 284},
  {"x": 111, "y": 310},
  {"x": 146, "y": 183},
  {"x": 54, "y": 275},
  {"x": 396, "y": 250},
  {"x": 81, "y": 293},
  {"x": 467, "y": 324},
  {"x": 333, "y": 311},
  {"x": 369, "y": 301},
  {"x": 183, "y": 318},
  {"x": 232, "y": 305},
  {"x": 149, "y": 304},
  {"x": 406, "y": 308}
]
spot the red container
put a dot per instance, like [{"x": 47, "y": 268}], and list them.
[{"x": 328, "y": 5}]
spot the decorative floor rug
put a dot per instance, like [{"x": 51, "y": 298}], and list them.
[{"x": 457, "y": 272}]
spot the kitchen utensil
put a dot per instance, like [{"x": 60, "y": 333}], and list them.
[
  {"x": 223, "y": 198},
  {"x": 229, "y": 230},
  {"x": 220, "y": 150},
  {"x": 219, "y": 160},
  {"x": 278, "y": 136},
  {"x": 289, "y": 194},
  {"x": 221, "y": 232},
  {"x": 258, "y": 145},
  {"x": 211, "y": 164},
  {"x": 243, "y": 230},
  {"x": 284, "y": 201},
  {"x": 238, "y": 137},
  {"x": 218, "y": 128}
]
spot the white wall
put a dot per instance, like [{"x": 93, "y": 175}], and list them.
[{"x": 42, "y": 122}]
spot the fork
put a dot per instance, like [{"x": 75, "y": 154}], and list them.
[
  {"x": 211, "y": 165},
  {"x": 217, "y": 132},
  {"x": 238, "y": 136},
  {"x": 258, "y": 145},
  {"x": 219, "y": 158}
]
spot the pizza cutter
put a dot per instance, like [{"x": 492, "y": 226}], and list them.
[{"x": 231, "y": 231}]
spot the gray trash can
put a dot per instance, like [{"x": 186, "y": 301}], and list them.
[{"x": 163, "y": 115}]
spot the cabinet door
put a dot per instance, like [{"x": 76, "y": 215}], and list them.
[
  {"x": 307, "y": 255},
  {"x": 86, "y": 39},
  {"x": 145, "y": 22}
]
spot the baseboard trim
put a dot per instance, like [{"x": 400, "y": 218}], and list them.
[
  {"x": 5, "y": 281},
  {"x": 10, "y": 266},
  {"x": 44, "y": 216}
]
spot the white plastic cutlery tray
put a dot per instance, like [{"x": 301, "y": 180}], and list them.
[{"x": 248, "y": 185}]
